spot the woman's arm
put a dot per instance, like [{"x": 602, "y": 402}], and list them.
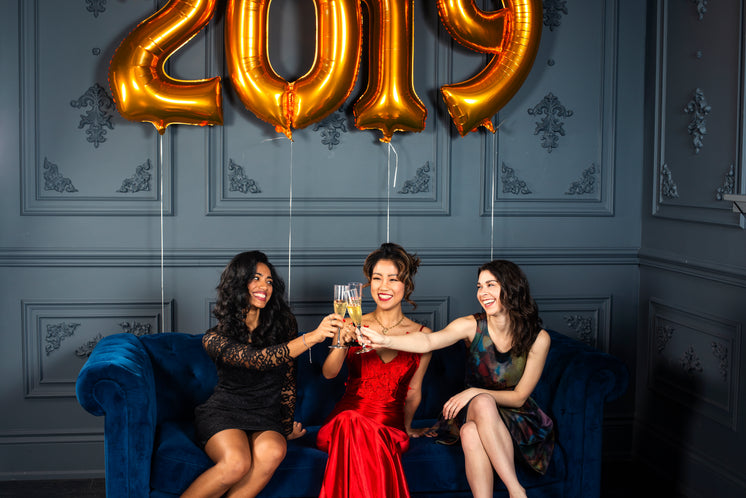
[
  {"x": 336, "y": 357},
  {"x": 513, "y": 398},
  {"x": 230, "y": 351},
  {"x": 420, "y": 342}
]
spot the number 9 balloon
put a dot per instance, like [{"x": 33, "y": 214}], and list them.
[
  {"x": 141, "y": 88},
  {"x": 512, "y": 34}
]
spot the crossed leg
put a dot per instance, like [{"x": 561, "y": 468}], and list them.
[{"x": 487, "y": 444}]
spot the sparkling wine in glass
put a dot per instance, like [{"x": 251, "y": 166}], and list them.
[
  {"x": 354, "y": 307},
  {"x": 340, "y": 307}
]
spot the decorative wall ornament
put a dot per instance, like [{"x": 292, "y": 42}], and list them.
[
  {"x": 140, "y": 181},
  {"x": 729, "y": 184},
  {"x": 57, "y": 332},
  {"x": 587, "y": 185},
  {"x": 699, "y": 109},
  {"x": 238, "y": 180},
  {"x": 136, "y": 328},
  {"x": 53, "y": 180},
  {"x": 552, "y": 11},
  {"x": 420, "y": 182},
  {"x": 85, "y": 350},
  {"x": 690, "y": 361},
  {"x": 98, "y": 116},
  {"x": 95, "y": 6},
  {"x": 332, "y": 128},
  {"x": 701, "y": 8},
  {"x": 663, "y": 335},
  {"x": 511, "y": 183},
  {"x": 583, "y": 326},
  {"x": 550, "y": 127},
  {"x": 720, "y": 352},
  {"x": 669, "y": 190}
]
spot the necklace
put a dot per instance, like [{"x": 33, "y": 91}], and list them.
[{"x": 385, "y": 330}]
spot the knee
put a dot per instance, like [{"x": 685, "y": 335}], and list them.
[
  {"x": 483, "y": 406},
  {"x": 469, "y": 435},
  {"x": 234, "y": 468},
  {"x": 270, "y": 456}
]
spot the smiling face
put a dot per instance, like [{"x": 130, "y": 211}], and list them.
[
  {"x": 385, "y": 287},
  {"x": 489, "y": 293},
  {"x": 260, "y": 287}
]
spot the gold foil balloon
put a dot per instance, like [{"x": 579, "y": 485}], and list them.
[
  {"x": 141, "y": 88},
  {"x": 390, "y": 102},
  {"x": 512, "y": 34},
  {"x": 315, "y": 95}
]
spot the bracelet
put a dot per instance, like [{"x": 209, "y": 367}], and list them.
[{"x": 303, "y": 338}]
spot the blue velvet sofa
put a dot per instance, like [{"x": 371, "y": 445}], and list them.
[{"x": 147, "y": 387}]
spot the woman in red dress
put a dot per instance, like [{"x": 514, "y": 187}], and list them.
[{"x": 370, "y": 427}]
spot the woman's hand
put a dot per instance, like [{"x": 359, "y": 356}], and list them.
[
  {"x": 370, "y": 338},
  {"x": 348, "y": 332},
  {"x": 458, "y": 401},
  {"x": 298, "y": 431},
  {"x": 326, "y": 329},
  {"x": 421, "y": 431}
]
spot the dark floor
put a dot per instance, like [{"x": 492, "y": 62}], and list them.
[
  {"x": 619, "y": 480},
  {"x": 67, "y": 488}
]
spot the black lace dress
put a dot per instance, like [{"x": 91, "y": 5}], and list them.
[{"x": 256, "y": 388}]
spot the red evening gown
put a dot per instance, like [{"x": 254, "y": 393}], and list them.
[{"x": 364, "y": 435}]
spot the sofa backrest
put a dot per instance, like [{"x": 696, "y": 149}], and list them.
[
  {"x": 185, "y": 377},
  {"x": 184, "y": 374}
]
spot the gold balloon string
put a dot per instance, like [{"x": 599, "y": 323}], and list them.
[
  {"x": 492, "y": 196},
  {"x": 290, "y": 217},
  {"x": 492, "y": 193},
  {"x": 163, "y": 300},
  {"x": 388, "y": 177}
]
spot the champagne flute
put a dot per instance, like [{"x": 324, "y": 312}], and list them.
[
  {"x": 355, "y": 309},
  {"x": 340, "y": 307}
]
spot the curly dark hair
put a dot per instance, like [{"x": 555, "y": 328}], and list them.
[
  {"x": 515, "y": 297},
  {"x": 405, "y": 262},
  {"x": 276, "y": 322}
]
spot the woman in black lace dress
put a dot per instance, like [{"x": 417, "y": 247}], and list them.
[{"x": 245, "y": 424}]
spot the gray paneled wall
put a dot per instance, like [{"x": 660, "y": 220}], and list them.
[
  {"x": 557, "y": 189},
  {"x": 689, "y": 397}
]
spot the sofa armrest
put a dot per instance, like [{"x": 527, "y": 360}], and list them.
[
  {"x": 590, "y": 379},
  {"x": 117, "y": 382}
]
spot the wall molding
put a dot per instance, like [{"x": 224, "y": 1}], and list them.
[
  {"x": 52, "y": 359},
  {"x": 683, "y": 365},
  {"x": 599, "y": 201},
  {"x": 91, "y": 196},
  {"x": 407, "y": 198},
  {"x": 308, "y": 257},
  {"x": 708, "y": 270}
]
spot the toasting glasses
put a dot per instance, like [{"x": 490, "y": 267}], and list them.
[
  {"x": 355, "y": 309},
  {"x": 340, "y": 307}
]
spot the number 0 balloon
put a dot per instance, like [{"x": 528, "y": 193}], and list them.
[
  {"x": 315, "y": 95},
  {"x": 141, "y": 88}
]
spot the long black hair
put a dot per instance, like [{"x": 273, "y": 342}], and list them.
[
  {"x": 406, "y": 263},
  {"x": 276, "y": 322},
  {"x": 515, "y": 297}
]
